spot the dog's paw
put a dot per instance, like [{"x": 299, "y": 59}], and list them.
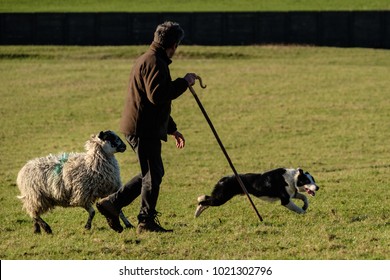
[
  {"x": 199, "y": 210},
  {"x": 201, "y": 207}
]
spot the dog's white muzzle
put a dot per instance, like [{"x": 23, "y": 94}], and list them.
[{"x": 311, "y": 189}]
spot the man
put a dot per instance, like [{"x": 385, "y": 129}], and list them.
[{"x": 145, "y": 122}]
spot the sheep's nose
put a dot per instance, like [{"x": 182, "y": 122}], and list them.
[{"x": 122, "y": 148}]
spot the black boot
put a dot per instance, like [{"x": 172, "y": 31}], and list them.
[
  {"x": 150, "y": 224},
  {"x": 108, "y": 210}
]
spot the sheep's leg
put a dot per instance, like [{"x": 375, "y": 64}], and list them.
[
  {"x": 91, "y": 212},
  {"x": 125, "y": 220},
  {"x": 39, "y": 222},
  {"x": 37, "y": 228}
]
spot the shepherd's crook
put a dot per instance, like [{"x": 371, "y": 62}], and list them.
[{"x": 222, "y": 147}]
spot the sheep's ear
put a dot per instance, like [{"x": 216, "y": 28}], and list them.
[{"x": 101, "y": 135}]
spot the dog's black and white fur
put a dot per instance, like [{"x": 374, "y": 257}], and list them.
[{"x": 280, "y": 183}]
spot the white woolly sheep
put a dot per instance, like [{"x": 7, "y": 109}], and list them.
[{"x": 71, "y": 179}]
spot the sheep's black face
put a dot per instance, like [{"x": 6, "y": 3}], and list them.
[{"x": 113, "y": 140}]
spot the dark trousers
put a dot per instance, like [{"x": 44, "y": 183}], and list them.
[{"x": 147, "y": 183}]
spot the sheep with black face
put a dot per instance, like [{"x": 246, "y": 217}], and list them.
[{"x": 71, "y": 179}]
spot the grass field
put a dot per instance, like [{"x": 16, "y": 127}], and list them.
[
  {"x": 184, "y": 6},
  {"x": 325, "y": 110}
]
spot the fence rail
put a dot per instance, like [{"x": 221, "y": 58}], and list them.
[{"x": 341, "y": 29}]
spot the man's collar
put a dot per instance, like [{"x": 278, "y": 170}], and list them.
[{"x": 160, "y": 51}]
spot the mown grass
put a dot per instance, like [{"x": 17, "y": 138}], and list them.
[
  {"x": 188, "y": 6},
  {"x": 323, "y": 109}
]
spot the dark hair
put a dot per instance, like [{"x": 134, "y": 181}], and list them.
[{"x": 168, "y": 34}]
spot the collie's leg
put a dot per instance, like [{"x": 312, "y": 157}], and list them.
[
  {"x": 304, "y": 199},
  {"x": 223, "y": 191},
  {"x": 293, "y": 207}
]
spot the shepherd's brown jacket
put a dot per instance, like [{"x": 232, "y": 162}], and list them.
[{"x": 148, "y": 101}]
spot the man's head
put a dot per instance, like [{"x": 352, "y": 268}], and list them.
[{"x": 168, "y": 34}]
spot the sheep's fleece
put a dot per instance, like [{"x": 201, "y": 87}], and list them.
[{"x": 71, "y": 179}]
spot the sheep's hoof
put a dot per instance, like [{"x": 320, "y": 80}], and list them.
[{"x": 37, "y": 229}]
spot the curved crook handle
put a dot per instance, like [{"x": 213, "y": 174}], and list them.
[{"x": 200, "y": 82}]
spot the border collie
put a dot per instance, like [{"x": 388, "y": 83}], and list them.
[{"x": 280, "y": 183}]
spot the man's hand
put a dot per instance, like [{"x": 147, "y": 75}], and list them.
[
  {"x": 190, "y": 78},
  {"x": 180, "y": 141}
]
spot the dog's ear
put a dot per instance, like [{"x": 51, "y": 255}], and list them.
[{"x": 300, "y": 171}]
